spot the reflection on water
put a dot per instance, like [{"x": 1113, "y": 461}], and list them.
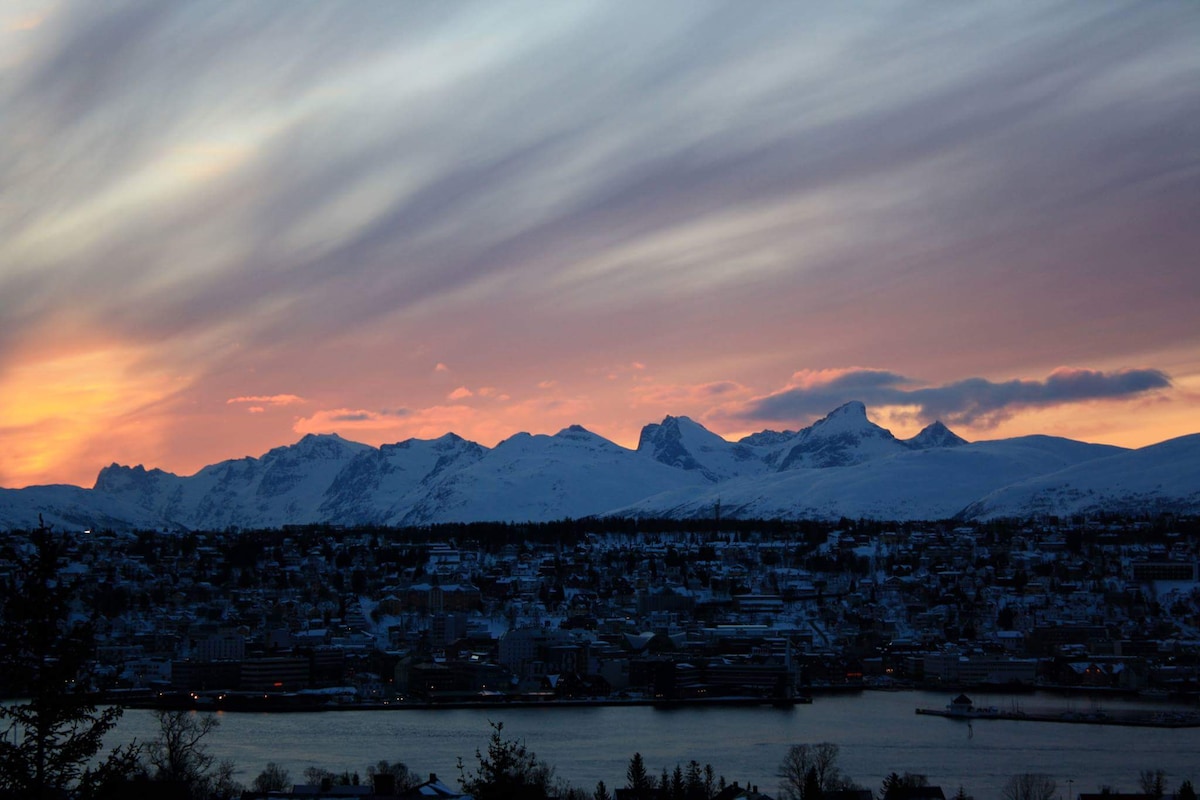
[{"x": 878, "y": 733}]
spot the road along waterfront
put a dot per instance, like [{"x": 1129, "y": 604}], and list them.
[{"x": 878, "y": 732}]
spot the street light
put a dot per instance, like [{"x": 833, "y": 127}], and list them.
[{"x": 1070, "y": 784}]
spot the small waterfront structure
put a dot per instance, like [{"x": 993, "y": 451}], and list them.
[{"x": 963, "y": 706}]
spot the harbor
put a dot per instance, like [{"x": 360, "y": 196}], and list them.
[{"x": 877, "y": 733}]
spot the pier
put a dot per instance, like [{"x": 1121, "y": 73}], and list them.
[{"x": 1133, "y": 718}]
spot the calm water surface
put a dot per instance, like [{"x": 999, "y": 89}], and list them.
[{"x": 878, "y": 732}]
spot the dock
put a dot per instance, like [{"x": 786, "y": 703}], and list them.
[{"x": 1133, "y": 718}]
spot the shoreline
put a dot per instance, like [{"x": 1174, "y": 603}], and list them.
[
  {"x": 288, "y": 703},
  {"x": 1179, "y": 710}
]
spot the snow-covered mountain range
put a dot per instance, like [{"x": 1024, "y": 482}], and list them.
[{"x": 841, "y": 466}]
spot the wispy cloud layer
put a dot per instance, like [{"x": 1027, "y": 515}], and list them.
[
  {"x": 267, "y": 399},
  {"x": 343, "y": 199}
]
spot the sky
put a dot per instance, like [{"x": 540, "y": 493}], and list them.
[{"x": 225, "y": 226}]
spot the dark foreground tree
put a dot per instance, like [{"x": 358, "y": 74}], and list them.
[
  {"x": 637, "y": 779},
  {"x": 398, "y": 770},
  {"x": 1153, "y": 782},
  {"x": 1029, "y": 786},
  {"x": 812, "y": 786},
  {"x": 48, "y": 741},
  {"x": 273, "y": 778},
  {"x": 694, "y": 782},
  {"x": 110, "y": 779},
  {"x": 319, "y": 776},
  {"x": 896, "y": 781},
  {"x": 507, "y": 770},
  {"x": 179, "y": 755},
  {"x": 795, "y": 782}
]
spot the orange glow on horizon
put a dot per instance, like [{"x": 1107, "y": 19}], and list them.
[
  {"x": 68, "y": 415},
  {"x": 55, "y": 410}
]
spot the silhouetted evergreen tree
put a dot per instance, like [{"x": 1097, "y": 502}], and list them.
[
  {"x": 508, "y": 770},
  {"x": 637, "y": 779},
  {"x": 47, "y": 741}
]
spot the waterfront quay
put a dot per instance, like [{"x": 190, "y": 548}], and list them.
[{"x": 1131, "y": 717}]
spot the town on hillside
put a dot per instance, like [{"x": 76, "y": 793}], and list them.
[{"x": 633, "y": 611}]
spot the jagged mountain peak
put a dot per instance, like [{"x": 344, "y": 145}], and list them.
[
  {"x": 685, "y": 444},
  {"x": 118, "y": 477},
  {"x": 573, "y": 431},
  {"x": 579, "y": 436},
  {"x": 657, "y": 435},
  {"x": 681, "y": 420},
  {"x": 520, "y": 437},
  {"x": 842, "y": 437},
  {"x": 671, "y": 428},
  {"x": 330, "y": 441},
  {"x": 849, "y": 419},
  {"x": 317, "y": 437},
  {"x": 848, "y": 416},
  {"x": 852, "y": 408},
  {"x": 768, "y": 438},
  {"x": 444, "y": 442},
  {"x": 572, "y": 435},
  {"x": 935, "y": 435},
  {"x": 453, "y": 443},
  {"x": 316, "y": 445}
]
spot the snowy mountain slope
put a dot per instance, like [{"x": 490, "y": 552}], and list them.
[
  {"x": 844, "y": 437},
  {"x": 573, "y": 473},
  {"x": 68, "y": 508},
  {"x": 846, "y": 429},
  {"x": 371, "y": 488},
  {"x": 283, "y": 486},
  {"x": 679, "y": 442},
  {"x": 934, "y": 483},
  {"x": 768, "y": 440},
  {"x": 1161, "y": 477},
  {"x": 1045, "y": 453},
  {"x": 934, "y": 435},
  {"x": 157, "y": 493},
  {"x": 842, "y": 465}
]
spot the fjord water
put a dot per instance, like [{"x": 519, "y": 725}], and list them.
[{"x": 878, "y": 732}]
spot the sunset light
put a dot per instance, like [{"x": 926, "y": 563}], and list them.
[
  {"x": 392, "y": 225},
  {"x": 688, "y": 391}
]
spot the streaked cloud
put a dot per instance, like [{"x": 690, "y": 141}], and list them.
[
  {"x": 331, "y": 197},
  {"x": 19, "y": 22},
  {"x": 268, "y": 399},
  {"x": 977, "y": 402},
  {"x": 338, "y": 419}
]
